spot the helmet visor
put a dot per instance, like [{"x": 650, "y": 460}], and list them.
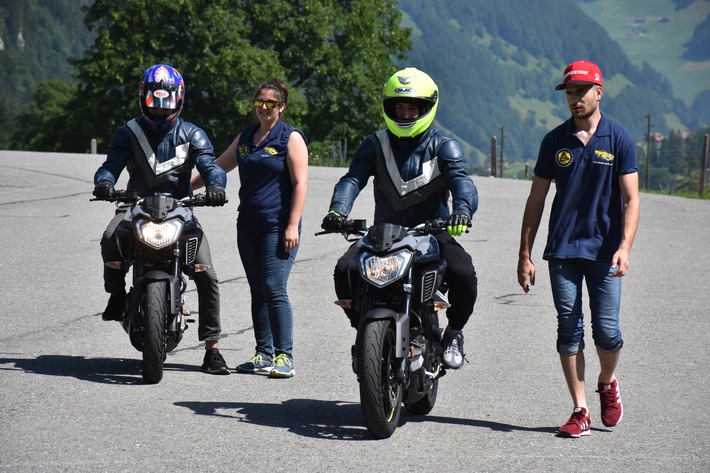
[
  {"x": 390, "y": 104},
  {"x": 162, "y": 95}
]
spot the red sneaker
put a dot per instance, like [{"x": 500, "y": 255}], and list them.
[
  {"x": 577, "y": 425},
  {"x": 612, "y": 410}
]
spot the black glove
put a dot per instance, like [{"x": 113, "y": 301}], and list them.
[
  {"x": 215, "y": 196},
  {"x": 458, "y": 224},
  {"x": 333, "y": 222},
  {"x": 104, "y": 190}
]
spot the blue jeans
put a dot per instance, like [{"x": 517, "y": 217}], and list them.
[
  {"x": 267, "y": 267},
  {"x": 604, "y": 303}
]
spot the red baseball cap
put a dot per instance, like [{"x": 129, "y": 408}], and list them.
[{"x": 581, "y": 72}]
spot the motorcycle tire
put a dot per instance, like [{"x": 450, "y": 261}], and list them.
[
  {"x": 380, "y": 394},
  {"x": 154, "y": 315}
]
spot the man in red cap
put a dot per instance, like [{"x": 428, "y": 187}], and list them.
[
  {"x": 581, "y": 72},
  {"x": 592, "y": 227}
]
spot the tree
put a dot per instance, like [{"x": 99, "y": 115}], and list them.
[
  {"x": 43, "y": 127},
  {"x": 333, "y": 54},
  {"x": 673, "y": 153},
  {"x": 36, "y": 38},
  {"x": 5, "y": 124}
]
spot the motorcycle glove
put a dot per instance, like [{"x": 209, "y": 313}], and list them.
[
  {"x": 104, "y": 190},
  {"x": 333, "y": 222},
  {"x": 215, "y": 196},
  {"x": 458, "y": 224}
]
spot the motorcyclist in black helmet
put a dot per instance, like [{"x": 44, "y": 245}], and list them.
[{"x": 160, "y": 150}]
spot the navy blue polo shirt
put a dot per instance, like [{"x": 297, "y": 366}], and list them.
[
  {"x": 585, "y": 220},
  {"x": 266, "y": 190}
]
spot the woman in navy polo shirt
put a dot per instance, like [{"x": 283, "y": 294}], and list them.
[{"x": 273, "y": 169}]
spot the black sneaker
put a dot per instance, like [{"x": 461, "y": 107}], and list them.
[
  {"x": 115, "y": 306},
  {"x": 214, "y": 363}
]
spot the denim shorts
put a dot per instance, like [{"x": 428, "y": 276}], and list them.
[{"x": 566, "y": 277}]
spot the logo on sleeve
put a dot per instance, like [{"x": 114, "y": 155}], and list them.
[
  {"x": 243, "y": 150},
  {"x": 563, "y": 158}
]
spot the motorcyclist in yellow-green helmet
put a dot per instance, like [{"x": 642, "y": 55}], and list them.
[
  {"x": 410, "y": 86},
  {"x": 416, "y": 170}
]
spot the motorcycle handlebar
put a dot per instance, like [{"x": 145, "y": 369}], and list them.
[
  {"x": 121, "y": 197},
  {"x": 349, "y": 227},
  {"x": 359, "y": 227},
  {"x": 131, "y": 197}
]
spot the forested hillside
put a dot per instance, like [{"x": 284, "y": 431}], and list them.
[
  {"x": 673, "y": 37},
  {"x": 37, "y": 38},
  {"x": 495, "y": 62}
]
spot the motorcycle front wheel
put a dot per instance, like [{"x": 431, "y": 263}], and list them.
[
  {"x": 380, "y": 394},
  {"x": 154, "y": 315}
]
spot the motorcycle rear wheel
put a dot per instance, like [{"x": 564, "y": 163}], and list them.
[
  {"x": 380, "y": 394},
  {"x": 154, "y": 315}
]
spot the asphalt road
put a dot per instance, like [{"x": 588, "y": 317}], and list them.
[{"x": 72, "y": 397}]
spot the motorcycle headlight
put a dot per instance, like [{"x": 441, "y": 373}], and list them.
[
  {"x": 159, "y": 235},
  {"x": 381, "y": 271}
]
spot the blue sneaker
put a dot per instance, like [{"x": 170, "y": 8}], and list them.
[
  {"x": 257, "y": 364},
  {"x": 283, "y": 367}
]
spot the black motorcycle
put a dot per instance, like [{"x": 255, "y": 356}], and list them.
[
  {"x": 396, "y": 282},
  {"x": 159, "y": 240}
]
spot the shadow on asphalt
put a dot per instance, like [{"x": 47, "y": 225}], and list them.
[
  {"x": 96, "y": 370},
  {"x": 336, "y": 420},
  {"x": 306, "y": 417},
  {"x": 333, "y": 420},
  {"x": 495, "y": 426}
]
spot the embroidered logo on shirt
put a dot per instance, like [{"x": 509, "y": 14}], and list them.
[
  {"x": 564, "y": 157},
  {"x": 604, "y": 155},
  {"x": 270, "y": 150},
  {"x": 243, "y": 150}
]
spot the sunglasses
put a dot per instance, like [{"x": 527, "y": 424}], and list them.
[{"x": 272, "y": 104}]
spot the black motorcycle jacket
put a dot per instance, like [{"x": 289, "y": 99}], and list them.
[
  {"x": 161, "y": 161},
  {"x": 413, "y": 178}
]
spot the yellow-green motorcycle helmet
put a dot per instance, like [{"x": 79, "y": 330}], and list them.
[{"x": 410, "y": 85}]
